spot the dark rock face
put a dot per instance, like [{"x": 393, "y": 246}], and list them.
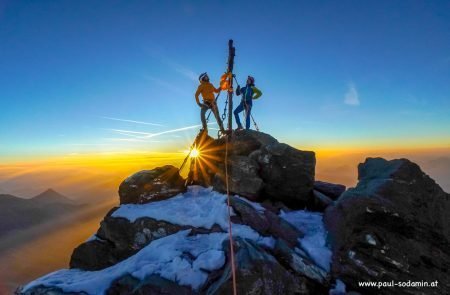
[
  {"x": 261, "y": 168},
  {"x": 393, "y": 225},
  {"x": 288, "y": 173},
  {"x": 118, "y": 239},
  {"x": 151, "y": 185},
  {"x": 300, "y": 263},
  {"x": 153, "y": 285},
  {"x": 244, "y": 179},
  {"x": 321, "y": 201},
  {"x": 43, "y": 290},
  {"x": 330, "y": 190},
  {"x": 266, "y": 223},
  {"x": 257, "y": 273}
]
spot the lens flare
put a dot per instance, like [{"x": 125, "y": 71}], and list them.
[{"x": 195, "y": 153}]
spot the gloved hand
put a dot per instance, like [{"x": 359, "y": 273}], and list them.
[
  {"x": 230, "y": 89},
  {"x": 201, "y": 105},
  {"x": 238, "y": 90}
]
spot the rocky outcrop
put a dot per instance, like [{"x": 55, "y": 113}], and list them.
[
  {"x": 152, "y": 285},
  {"x": 393, "y": 226},
  {"x": 259, "y": 168},
  {"x": 244, "y": 178},
  {"x": 151, "y": 185},
  {"x": 118, "y": 239},
  {"x": 331, "y": 190},
  {"x": 257, "y": 272},
  {"x": 266, "y": 222},
  {"x": 288, "y": 173}
]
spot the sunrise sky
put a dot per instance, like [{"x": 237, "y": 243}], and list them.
[{"x": 108, "y": 86}]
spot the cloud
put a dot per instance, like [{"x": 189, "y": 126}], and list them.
[
  {"x": 188, "y": 73},
  {"x": 166, "y": 85},
  {"x": 130, "y": 140},
  {"x": 177, "y": 67},
  {"x": 145, "y": 135},
  {"x": 351, "y": 97},
  {"x": 132, "y": 121}
]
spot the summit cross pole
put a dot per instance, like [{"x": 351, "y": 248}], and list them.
[{"x": 231, "y": 54}]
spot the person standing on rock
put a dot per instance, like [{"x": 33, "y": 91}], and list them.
[
  {"x": 207, "y": 90},
  {"x": 249, "y": 92}
]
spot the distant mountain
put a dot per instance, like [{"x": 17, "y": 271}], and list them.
[
  {"x": 19, "y": 213},
  {"x": 52, "y": 196}
]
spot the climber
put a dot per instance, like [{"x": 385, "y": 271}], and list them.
[
  {"x": 249, "y": 92},
  {"x": 207, "y": 90}
]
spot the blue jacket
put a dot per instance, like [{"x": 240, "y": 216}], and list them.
[{"x": 249, "y": 92}]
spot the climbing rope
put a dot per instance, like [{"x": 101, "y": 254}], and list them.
[{"x": 233, "y": 266}]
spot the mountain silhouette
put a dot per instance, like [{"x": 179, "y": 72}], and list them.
[{"x": 19, "y": 213}]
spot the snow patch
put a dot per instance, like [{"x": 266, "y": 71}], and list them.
[
  {"x": 339, "y": 288},
  {"x": 314, "y": 241},
  {"x": 198, "y": 207},
  {"x": 371, "y": 240}
]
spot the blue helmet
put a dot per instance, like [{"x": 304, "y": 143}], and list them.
[{"x": 202, "y": 76}]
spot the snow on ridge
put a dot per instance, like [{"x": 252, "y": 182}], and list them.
[
  {"x": 314, "y": 241},
  {"x": 166, "y": 257},
  {"x": 198, "y": 207}
]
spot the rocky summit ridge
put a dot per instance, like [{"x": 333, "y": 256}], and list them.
[{"x": 169, "y": 238}]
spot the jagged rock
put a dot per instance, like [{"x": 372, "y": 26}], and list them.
[
  {"x": 301, "y": 264},
  {"x": 288, "y": 173},
  {"x": 282, "y": 229},
  {"x": 93, "y": 255},
  {"x": 244, "y": 179},
  {"x": 330, "y": 190},
  {"x": 393, "y": 226},
  {"x": 266, "y": 223},
  {"x": 151, "y": 185},
  {"x": 257, "y": 272},
  {"x": 153, "y": 285},
  {"x": 258, "y": 167},
  {"x": 44, "y": 290},
  {"x": 321, "y": 201},
  {"x": 244, "y": 142},
  {"x": 118, "y": 239}
]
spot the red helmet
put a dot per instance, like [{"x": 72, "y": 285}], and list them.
[{"x": 251, "y": 80}]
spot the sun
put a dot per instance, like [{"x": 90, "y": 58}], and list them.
[{"x": 195, "y": 153}]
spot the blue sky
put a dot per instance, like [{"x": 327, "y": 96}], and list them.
[{"x": 347, "y": 73}]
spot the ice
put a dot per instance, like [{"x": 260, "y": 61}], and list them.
[
  {"x": 209, "y": 260},
  {"x": 314, "y": 241},
  {"x": 339, "y": 288}
]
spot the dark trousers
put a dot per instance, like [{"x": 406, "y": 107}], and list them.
[{"x": 213, "y": 107}]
